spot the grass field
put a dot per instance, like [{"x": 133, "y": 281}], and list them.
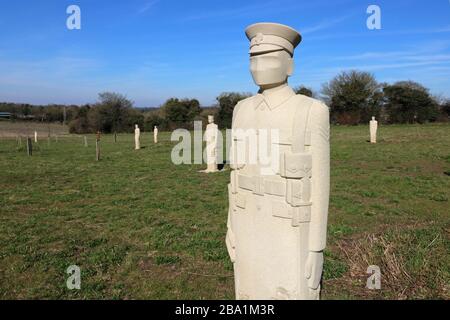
[{"x": 140, "y": 227}]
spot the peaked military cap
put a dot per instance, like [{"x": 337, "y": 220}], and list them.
[{"x": 267, "y": 36}]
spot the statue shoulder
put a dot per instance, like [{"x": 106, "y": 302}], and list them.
[
  {"x": 244, "y": 103},
  {"x": 242, "y": 110},
  {"x": 318, "y": 107},
  {"x": 318, "y": 112}
]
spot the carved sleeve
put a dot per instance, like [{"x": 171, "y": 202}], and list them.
[
  {"x": 230, "y": 239},
  {"x": 319, "y": 125}
]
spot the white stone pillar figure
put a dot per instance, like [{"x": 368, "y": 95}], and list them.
[
  {"x": 35, "y": 136},
  {"x": 373, "y": 130},
  {"x": 211, "y": 136},
  {"x": 137, "y": 137},
  {"x": 155, "y": 134},
  {"x": 278, "y": 210}
]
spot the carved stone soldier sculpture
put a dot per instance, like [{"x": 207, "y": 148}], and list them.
[
  {"x": 137, "y": 137},
  {"x": 155, "y": 134},
  {"x": 211, "y": 136},
  {"x": 373, "y": 130},
  {"x": 278, "y": 209}
]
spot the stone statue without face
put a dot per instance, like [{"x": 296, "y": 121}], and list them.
[
  {"x": 211, "y": 136},
  {"x": 373, "y": 130},
  {"x": 277, "y": 216},
  {"x": 155, "y": 134},
  {"x": 137, "y": 137}
]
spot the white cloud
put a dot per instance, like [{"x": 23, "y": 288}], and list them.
[
  {"x": 235, "y": 12},
  {"x": 325, "y": 24},
  {"x": 384, "y": 66},
  {"x": 147, "y": 6}
]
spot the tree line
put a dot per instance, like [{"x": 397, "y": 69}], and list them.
[{"x": 352, "y": 96}]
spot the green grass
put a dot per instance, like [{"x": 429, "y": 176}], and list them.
[{"x": 140, "y": 227}]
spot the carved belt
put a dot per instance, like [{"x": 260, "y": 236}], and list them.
[
  {"x": 292, "y": 207},
  {"x": 261, "y": 185}
]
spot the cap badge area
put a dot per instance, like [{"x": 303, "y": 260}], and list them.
[{"x": 259, "y": 37}]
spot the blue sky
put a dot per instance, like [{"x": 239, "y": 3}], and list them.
[{"x": 151, "y": 50}]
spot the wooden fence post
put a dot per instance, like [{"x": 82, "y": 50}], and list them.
[
  {"x": 29, "y": 146},
  {"x": 97, "y": 149}
]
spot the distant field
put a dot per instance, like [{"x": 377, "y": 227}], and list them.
[
  {"x": 13, "y": 129},
  {"x": 140, "y": 227}
]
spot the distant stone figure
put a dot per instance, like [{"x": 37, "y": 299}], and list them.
[
  {"x": 373, "y": 130},
  {"x": 137, "y": 137},
  {"x": 35, "y": 136},
  {"x": 211, "y": 136},
  {"x": 278, "y": 207},
  {"x": 155, "y": 134}
]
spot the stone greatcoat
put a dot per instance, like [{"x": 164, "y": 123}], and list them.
[{"x": 278, "y": 213}]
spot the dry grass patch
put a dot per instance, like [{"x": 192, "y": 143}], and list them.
[{"x": 412, "y": 261}]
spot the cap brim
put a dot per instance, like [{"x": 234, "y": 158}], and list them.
[{"x": 265, "y": 48}]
